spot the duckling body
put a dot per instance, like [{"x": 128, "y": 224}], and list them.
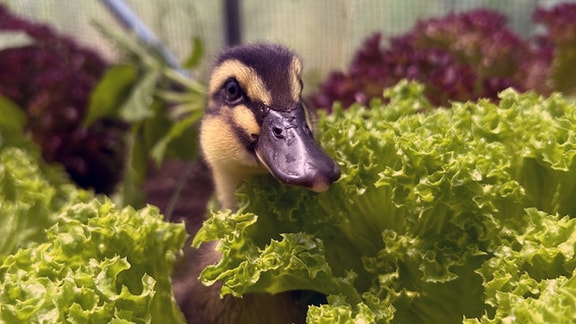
[{"x": 256, "y": 122}]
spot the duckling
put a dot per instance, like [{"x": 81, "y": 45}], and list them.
[{"x": 256, "y": 122}]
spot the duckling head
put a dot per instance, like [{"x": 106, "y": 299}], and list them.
[{"x": 256, "y": 121}]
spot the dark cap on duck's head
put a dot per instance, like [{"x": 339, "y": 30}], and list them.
[
  {"x": 275, "y": 65},
  {"x": 269, "y": 74},
  {"x": 256, "y": 117}
]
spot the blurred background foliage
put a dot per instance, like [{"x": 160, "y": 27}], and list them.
[{"x": 325, "y": 33}]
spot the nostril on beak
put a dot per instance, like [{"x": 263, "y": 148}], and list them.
[{"x": 278, "y": 132}]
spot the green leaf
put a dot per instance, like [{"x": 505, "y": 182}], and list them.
[
  {"x": 31, "y": 192},
  {"x": 138, "y": 105},
  {"x": 180, "y": 137},
  {"x": 11, "y": 116},
  {"x": 100, "y": 264},
  {"x": 196, "y": 55},
  {"x": 111, "y": 93},
  {"x": 129, "y": 192},
  {"x": 532, "y": 278}
]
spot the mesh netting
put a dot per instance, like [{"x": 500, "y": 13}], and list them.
[{"x": 325, "y": 33}]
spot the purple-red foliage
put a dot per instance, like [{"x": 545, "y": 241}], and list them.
[
  {"x": 560, "y": 22},
  {"x": 51, "y": 80},
  {"x": 458, "y": 57},
  {"x": 559, "y": 43}
]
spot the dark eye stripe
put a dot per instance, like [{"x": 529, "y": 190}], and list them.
[
  {"x": 250, "y": 81},
  {"x": 246, "y": 139}
]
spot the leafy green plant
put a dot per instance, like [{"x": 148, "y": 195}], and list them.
[
  {"x": 99, "y": 264},
  {"x": 32, "y": 193},
  {"x": 117, "y": 117},
  {"x": 440, "y": 215},
  {"x": 50, "y": 77},
  {"x": 66, "y": 254},
  {"x": 160, "y": 103},
  {"x": 69, "y": 256}
]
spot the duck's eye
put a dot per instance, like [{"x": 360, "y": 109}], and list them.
[{"x": 233, "y": 91}]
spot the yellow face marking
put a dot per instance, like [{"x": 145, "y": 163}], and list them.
[
  {"x": 246, "y": 76},
  {"x": 227, "y": 157},
  {"x": 221, "y": 146},
  {"x": 295, "y": 75},
  {"x": 244, "y": 118}
]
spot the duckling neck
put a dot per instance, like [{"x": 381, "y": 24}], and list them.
[
  {"x": 225, "y": 186},
  {"x": 226, "y": 181}
]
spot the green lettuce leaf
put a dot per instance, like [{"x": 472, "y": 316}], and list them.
[
  {"x": 531, "y": 278},
  {"x": 100, "y": 264},
  {"x": 427, "y": 201},
  {"x": 68, "y": 256},
  {"x": 31, "y": 192}
]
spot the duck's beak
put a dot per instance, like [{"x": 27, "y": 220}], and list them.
[{"x": 288, "y": 150}]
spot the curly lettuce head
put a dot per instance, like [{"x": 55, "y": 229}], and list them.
[
  {"x": 99, "y": 264},
  {"x": 32, "y": 192},
  {"x": 67, "y": 256},
  {"x": 429, "y": 206}
]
